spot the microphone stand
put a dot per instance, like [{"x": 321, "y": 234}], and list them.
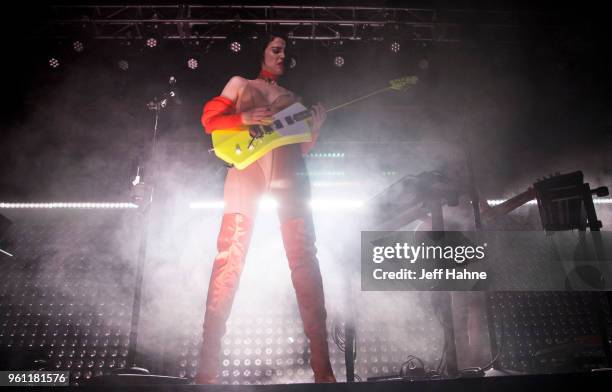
[{"x": 143, "y": 195}]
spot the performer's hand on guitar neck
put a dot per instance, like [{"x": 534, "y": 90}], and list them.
[
  {"x": 259, "y": 116},
  {"x": 318, "y": 116}
]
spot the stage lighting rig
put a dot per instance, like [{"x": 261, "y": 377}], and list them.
[
  {"x": 395, "y": 47},
  {"x": 292, "y": 62},
  {"x": 235, "y": 46},
  {"x": 192, "y": 63},
  {"x": 123, "y": 65},
  {"x": 423, "y": 63},
  {"x": 151, "y": 42},
  {"x": 78, "y": 46}
]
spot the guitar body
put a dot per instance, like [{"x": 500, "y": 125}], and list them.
[
  {"x": 237, "y": 147},
  {"x": 290, "y": 125}
]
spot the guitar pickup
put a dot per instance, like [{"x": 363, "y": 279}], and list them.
[
  {"x": 268, "y": 129},
  {"x": 278, "y": 124},
  {"x": 289, "y": 120}
]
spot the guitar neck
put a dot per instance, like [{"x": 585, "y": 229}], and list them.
[
  {"x": 307, "y": 113},
  {"x": 361, "y": 98}
]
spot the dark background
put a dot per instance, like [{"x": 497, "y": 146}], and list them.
[{"x": 526, "y": 110}]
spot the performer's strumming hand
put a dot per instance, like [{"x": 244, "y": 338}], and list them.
[
  {"x": 318, "y": 116},
  {"x": 259, "y": 116}
]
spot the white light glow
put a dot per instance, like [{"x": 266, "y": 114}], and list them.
[
  {"x": 326, "y": 204},
  {"x": 207, "y": 205},
  {"x": 268, "y": 203}
]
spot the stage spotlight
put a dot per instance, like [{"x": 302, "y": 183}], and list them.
[
  {"x": 53, "y": 62},
  {"x": 235, "y": 46},
  {"x": 151, "y": 42},
  {"x": 339, "y": 61},
  {"x": 292, "y": 62},
  {"x": 395, "y": 47},
  {"x": 423, "y": 63},
  {"x": 78, "y": 46},
  {"x": 123, "y": 65},
  {"x": 192, "y": 63}
]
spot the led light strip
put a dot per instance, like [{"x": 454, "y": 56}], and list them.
[
  {"x": 219, "y": 204},
  {"x": 602, "y": 200},
  {"x": 68, "y": 205}
]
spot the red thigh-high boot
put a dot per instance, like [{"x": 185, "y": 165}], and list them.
[
  {"x": 299, "y": 240},
  {"x": 232, "y": 244}
]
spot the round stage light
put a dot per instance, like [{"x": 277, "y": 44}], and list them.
[
  {"x": 395, "y": 47},
  {"x": 235, "y": 46},
  {"x": 53, "y": 62},
  {"x": 123, "y": 65},
  {"x": 151, "y": 42},
  {"x": 339, "y": 61},
  {"x": 78, "y": 46},
  {"x": 192, "y": 63}
]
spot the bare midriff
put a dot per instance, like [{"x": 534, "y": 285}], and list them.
[{"x": 282, "y": 171}]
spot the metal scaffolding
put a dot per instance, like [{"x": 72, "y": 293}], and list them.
[{"x": 195, "y": 22}]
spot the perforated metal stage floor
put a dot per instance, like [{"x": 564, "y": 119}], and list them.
[{"x": 570, "y": 381}]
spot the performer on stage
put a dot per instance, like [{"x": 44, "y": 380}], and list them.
[{"x": 247, "y": 102}]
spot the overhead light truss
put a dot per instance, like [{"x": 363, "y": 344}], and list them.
[{"x": 180, "y": 22}]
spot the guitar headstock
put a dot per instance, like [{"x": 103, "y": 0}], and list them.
[{"x": 403, "y": 83}]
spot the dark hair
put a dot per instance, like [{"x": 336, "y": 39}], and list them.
[{"x": 262, "y": 43}]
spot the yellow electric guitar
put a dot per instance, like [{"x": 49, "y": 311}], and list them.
[{"x": 290, "y": 125}]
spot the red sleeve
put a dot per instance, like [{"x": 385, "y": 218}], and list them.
[{"x": 220, "y": 113}]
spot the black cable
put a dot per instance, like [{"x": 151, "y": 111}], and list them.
[
  {"x": 442, "y": 361},
  {"x": 480, "y": 370},
  {"x": 338, "y": 338},
  {"x": 442, "y": 357},
  {"x": 411, "y": 358},
  {"x": 501, "y": 347}
]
